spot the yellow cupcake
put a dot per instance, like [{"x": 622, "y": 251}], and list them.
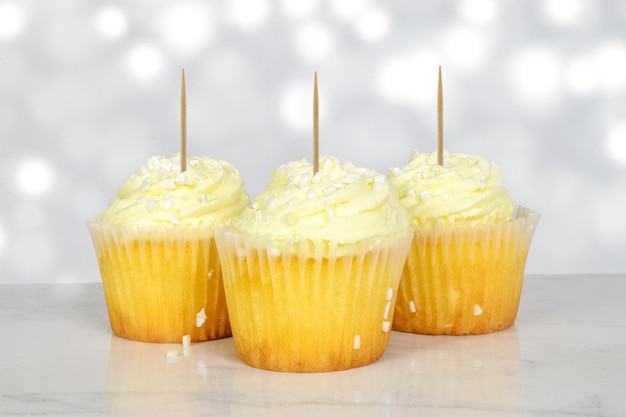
[
  {"x": 311, "y": 268},
  {"x": 466, "y": 264},
  {"x": 157, "y": 256}
]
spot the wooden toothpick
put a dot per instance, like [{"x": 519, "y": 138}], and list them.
[
  {"x": 316, "y": 127},
  {"x": 183, "y": 124},
  {"x": 440, "y": 120}
]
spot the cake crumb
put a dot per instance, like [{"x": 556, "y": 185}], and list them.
[
  {"x": 477, "y": 310},
  {"x": 357, "y": 342}
]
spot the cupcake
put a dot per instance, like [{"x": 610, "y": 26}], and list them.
[
  {"x": 311, "y": 268},
  {"x": 466, "y": 263},
  {"x": 154, "y": 243}
]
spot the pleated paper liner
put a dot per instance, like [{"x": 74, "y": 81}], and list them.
[
  {"x": 465, "y": 279},
  {"x": 303, "y": 308},
  {"x": 161, "y": 283}
]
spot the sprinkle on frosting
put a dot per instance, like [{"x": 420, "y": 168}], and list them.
[
  {"x": 208, "y": 193},
  {"x": 340, "y": 203},
  {"x": 466, "y": 189}
]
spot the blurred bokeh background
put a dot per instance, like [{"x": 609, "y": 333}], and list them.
[{"x": 90, "y": 90}]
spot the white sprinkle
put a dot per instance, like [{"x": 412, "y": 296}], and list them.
[
  {"x": 481, "y": 183},
  {"x": 425, "y": 194},
  {"x": 210, "y": 273},
  {"x": 317, "y": 177},
  {"x": 329, "y": 190},
  {"x": 357, "y": 342},
  {"x": 152, "y": 204},
  {"x": 162, "y": 173},
  {"x": 387, "y": 308},
  {"x": 379, "y": 181},
  {"x": 386, "y": 325},
  {"x": 338, "y": 185},
  {"x": 269, "y": 201},
  {"x": 144, "y": 169},
  {"x": 181, "y": 178},
  {"x": 477, "y": 310},
  {"x": 186, "y": 340},
  {"x": 141, "y": 200},
  {"x": 311, "y": 193},
  {"x": 395, "y": 170},
  {"x": 389, "y": 293},
  {"x": 174, "y": 220},
  {"x": 254, "y": 205},
  {"x": 412, "y": 308},
  {"x": 303, "y": 181},
  {"x": 331, "y": 212},
  {"x": 172, "y": 353},
  {"x": 145, "y": 185},
  {"x": 469, "y": 182},
  {"x": 167, "y": 204},
  {"x": 200, "y": 318},
  {"x": 410, "y": 192},
  {"x": 241, "y": 253},
  {"x": 203, "y": 197}
]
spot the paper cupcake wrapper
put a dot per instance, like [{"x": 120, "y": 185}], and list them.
[
  {"x": 465, "y": 279},
  {"x": 302, "y": 308},
  {"x": 161, "y": 283}
]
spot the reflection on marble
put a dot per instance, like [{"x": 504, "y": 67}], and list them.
[{"x": 564, "y": 356}]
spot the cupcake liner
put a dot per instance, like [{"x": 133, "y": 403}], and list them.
[
  {"x": 161, "y": 283},
  {"x": 464, "y": 279},
  {"x": 302, "y": 307}
]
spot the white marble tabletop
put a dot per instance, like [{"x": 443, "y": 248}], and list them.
[{"x": 565, "y": 356}]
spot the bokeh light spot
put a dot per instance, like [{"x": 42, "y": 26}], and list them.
[
  {"x": 111, "y": 22},
  {"x": 536, "y": 73},
  {"x": 479, "y": 11},
  {"x": 296, "y": 104},
  {"x": 34, "y": 177},
  {"x": 144, "y": 62},
  {"x": 464, "y": 47},
  {"x": 12, "y": 20},
  {"x": 186, "y": 26},
  {"x": 616, "y": 143},
  {"x": 563, "y": 12},
  {"x": 410, "y": 78},
  {"x": 248, "y": 14},
  {"x": 313, "y": 41},
  {"x": 373, "y": 24}
]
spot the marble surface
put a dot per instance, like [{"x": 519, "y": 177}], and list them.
[{"x": 565, "y": 356}]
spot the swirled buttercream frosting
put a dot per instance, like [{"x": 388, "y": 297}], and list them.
[
  {"x": 465, "y": 189},
  {"x": 341, "y": 203},
  {"x": 207, "y": 193}
]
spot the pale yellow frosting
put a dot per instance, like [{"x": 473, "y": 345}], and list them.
[
  {"x": 466, "y": 189},
  {"x": 207, "y": 193},
  {"x": 341, "y": 204}
]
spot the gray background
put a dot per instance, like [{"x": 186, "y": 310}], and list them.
[{"x": 90, "y": 90}]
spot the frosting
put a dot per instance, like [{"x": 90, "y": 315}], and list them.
[
  {"x": 341, "y": 203},
  {"x": 207, "y": 193},
  {"x": 466, "y": 189}
]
